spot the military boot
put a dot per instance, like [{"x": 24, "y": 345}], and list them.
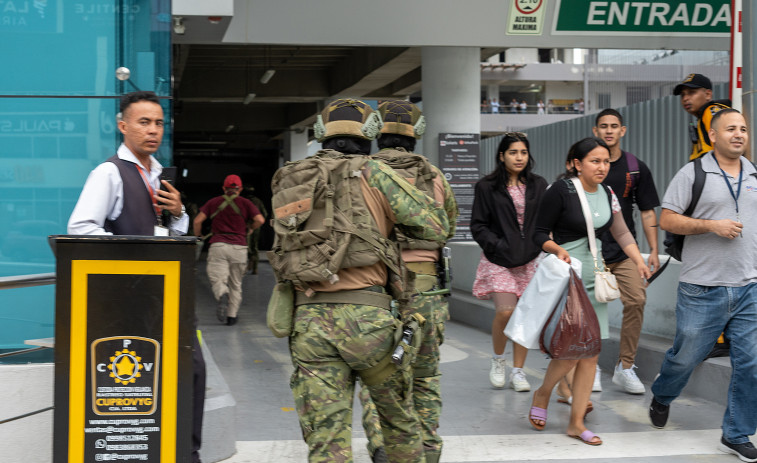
[{"x": 380, "y": 456}]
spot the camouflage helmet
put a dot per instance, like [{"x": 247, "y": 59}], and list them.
[
  {"x": 403, "y": 118},
  {"x": 347, "y": 118}
]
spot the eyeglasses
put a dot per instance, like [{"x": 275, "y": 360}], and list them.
[{"x": 516, "y": 134}]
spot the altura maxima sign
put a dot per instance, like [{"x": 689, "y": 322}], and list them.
[{"x": 668, "y": 17}]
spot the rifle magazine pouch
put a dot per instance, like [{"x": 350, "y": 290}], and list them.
[
  {"x": 424, "y": 283},
  {"x": 280, "y": 314}
]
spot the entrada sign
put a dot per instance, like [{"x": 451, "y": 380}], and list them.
[{"x": 618, "y": 17}]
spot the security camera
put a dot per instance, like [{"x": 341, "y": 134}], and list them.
[{"x": 178, "y": 25}]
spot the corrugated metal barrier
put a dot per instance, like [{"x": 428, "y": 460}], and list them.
[{"x": 657, "y": 134}]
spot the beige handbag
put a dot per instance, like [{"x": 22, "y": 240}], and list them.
[{"x": 605, "y": 284}]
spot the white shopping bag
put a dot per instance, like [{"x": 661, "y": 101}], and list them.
[{"x": 538, "y": 300}]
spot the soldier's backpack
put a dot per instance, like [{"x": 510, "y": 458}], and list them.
[
  {"x": 322, "y": 223},
  {"x": 418, "y": 171}
]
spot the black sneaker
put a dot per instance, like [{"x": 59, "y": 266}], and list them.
[
  {"x": 222, "y": 307},
  {"x": 658, "y": 413},
  {"x": 745, "y": 451},
  {"x": 231, "y": 321}
]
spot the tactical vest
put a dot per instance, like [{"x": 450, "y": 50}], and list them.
[
  {"x": 322, "y": 223},
  {"x": 418, "y": 171}
]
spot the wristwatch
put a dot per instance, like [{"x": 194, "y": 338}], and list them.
[{"x": 183, "y": 210}]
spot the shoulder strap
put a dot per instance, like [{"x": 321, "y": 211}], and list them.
[
  {"x": 587, "y": 217},
  {"x": 696, "y": 187},
  {"x": 633, "y": 168},
  {"x": 227, "y": 201}
]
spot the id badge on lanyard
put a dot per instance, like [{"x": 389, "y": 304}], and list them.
[{"x": 159, "y": 230}]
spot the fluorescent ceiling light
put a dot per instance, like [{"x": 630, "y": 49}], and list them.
[
  {"x": 229, "y": 128},
  {"x": 267, "y": 76},
  {"x": 248, "y": 99},
  {"x": 202, "y": 142}
]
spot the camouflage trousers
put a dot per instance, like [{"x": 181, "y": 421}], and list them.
[
  {"x": 253, "y": 256},
  {"x": 370, "y": 420},
  {"x": 329, "y": 345},
  {"x": 427, "y": 398}
]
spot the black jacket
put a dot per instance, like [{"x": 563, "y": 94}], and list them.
[{"x": 494, "y": 223}]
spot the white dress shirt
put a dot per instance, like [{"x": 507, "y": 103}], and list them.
[{"x": 103, "y": 198}]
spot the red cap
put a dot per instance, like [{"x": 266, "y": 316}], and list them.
[{"x": 232, "y": 181}]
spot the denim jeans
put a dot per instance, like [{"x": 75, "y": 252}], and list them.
[{"x": 702, "y": 313}]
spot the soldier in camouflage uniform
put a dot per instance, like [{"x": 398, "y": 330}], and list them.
[
  {"x": 403, "y": 124},
  {"x": 334, "y": 341},
  {"x": 253, "y": 253}
]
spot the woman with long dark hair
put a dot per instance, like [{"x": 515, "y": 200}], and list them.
[
  {"x": 503, "y": 221},
  {"x": 561, "y": 230}
]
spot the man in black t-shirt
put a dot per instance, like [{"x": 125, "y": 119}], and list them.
[{"x": 632, "y": 183}]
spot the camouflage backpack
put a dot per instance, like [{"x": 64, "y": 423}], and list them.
[
  {"x": 322, "y": 223},
  {"x": 419, "y": 172}
]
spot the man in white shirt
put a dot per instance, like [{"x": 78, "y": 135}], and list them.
[
  {"x": 103, "y": 198},
  {"x": 122, "y": 196}
]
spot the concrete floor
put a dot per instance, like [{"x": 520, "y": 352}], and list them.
[{"x": 479, "y": 423}]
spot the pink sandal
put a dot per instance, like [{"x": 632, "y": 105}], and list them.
[
  {"x": 537, "y": 414},
  {"x": 586, "y": 437}
]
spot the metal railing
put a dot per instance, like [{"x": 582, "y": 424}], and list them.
[{"x": 25, "y": 281}]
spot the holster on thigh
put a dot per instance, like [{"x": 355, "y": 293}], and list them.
[
  {"x": 379, "y": 372},
  {"x": 407, "y": 340}
]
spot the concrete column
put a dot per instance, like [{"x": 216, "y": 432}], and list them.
[
  {"x": 295, "y": 144},
  {"x": 492, "y": 91},
  {"x": 451, "y": 92},
  {"x": 749, "y": 72}
]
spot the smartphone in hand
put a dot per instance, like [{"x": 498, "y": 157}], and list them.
[{"x": 169, "y": 175}]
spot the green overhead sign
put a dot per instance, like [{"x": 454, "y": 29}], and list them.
[{"x": 618, "y": 17}]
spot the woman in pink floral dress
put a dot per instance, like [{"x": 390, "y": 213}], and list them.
[{"x": 502, "y": 223}]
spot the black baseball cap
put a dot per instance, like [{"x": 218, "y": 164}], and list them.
[{"x": 693, "y": 81}]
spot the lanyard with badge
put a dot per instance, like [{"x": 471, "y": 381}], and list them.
[
  {"x": 735, "y": 195},
  {"x": 160, "y": 230}
]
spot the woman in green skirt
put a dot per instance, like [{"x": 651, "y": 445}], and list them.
[{"x": 561, "y": 230}]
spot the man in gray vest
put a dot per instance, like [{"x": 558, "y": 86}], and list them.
[{"x": 123, "y": 196}]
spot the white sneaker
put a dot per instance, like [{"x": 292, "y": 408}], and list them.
[
  {"x": 597, "y": 387},
  {"x": 518, "y": 381},
  {"x": 497, "y": 373},
  {"x": 627, "y": 379}
]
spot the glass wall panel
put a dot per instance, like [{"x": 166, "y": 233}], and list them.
[
  {"x": 69, "y": 47},
  {"x": 58, "y": 104}
]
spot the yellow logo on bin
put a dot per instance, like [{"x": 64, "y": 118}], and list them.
[
  {"x": 125, "y": 375},
  {"x": 126, "y": 365}
]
